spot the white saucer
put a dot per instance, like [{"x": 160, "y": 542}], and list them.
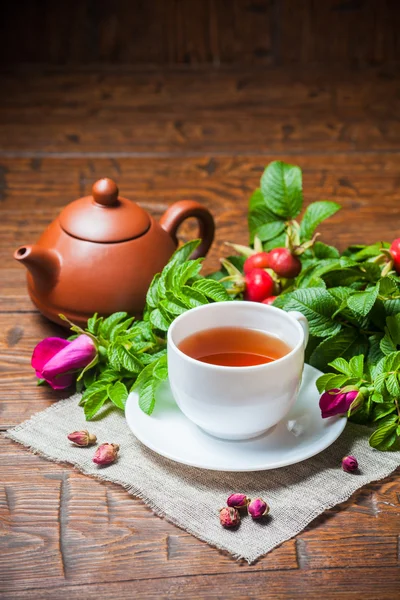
[{"x": 298, "y": 437}]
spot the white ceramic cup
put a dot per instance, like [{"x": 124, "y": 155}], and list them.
[{"x": 237, "y": 403}]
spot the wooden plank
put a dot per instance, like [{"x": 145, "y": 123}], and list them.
[
  {"x": 60, "y": 527},
  {"x": 345, "y": 584},
  {"x": 239, "y": 111}
]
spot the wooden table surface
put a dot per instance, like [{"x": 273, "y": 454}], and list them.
[{"x": 166, "y": 136}]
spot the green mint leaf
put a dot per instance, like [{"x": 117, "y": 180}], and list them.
[
  {"x": 192, "y": 297},
  {"x": 269, "y": 231},
  {"x": 281, "y": 186},
  {"x": 118, "y": 394},
  {"x": 356, "y": 365},
  {"x": 158, "y": 321},
  {"x": 383, "y": 434},
  {"x": 94, "y": 402},
  {"x": 113, "y": 357},
  {"x": 120, "y": 328},
  {"x": 160, "y": 370},
  {"x": 361, "y": 303},
  {"x": 93, "y": 324},
  {"x": 183, "y": 253},
  {"x": 152, "y": 297},
  {"x": 145, "y": 375},
  {"x": 341, "y": 365},
  {"x": 212, "y": 289},
  {"x": 108, "y": 376},
  {"x": 314, "y": 214},
  {"x": 172, "y": 308},
  {"x": 147, "y": 398},
  {"x": 379, "y": 382},
  {"x": 322, "y": 250},
  {"x": 109, "y": 323},
  {"x": 128, "y": 361},
  {"x": 184, "y": 272}
]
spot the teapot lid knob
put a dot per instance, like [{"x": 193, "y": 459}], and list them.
[{"x": 105, "y": 192}]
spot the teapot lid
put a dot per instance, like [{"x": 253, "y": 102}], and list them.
[{"x": 104, "y": 216}]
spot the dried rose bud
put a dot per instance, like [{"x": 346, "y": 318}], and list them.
[
  {"x": 349, "y": 464},
  {"x": 229, "y": 516},
  {"x": 258, "y": 508},
  {"x": 106, "y": 454},
  {"x": 82, "y": 438},
  {"x": 238, "y": 501}
]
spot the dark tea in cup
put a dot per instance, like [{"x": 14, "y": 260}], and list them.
[{"x": 233, "y": 347}]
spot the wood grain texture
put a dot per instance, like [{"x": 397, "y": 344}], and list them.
[
  {"x": 238, "y": 112},
  {"x": 166, "y": 137},
  {"x": 192, "y": 32}
]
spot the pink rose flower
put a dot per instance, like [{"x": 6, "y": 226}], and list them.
[
  {"x": 336, "y": 402},
  {"x": 56, "y": 360}
]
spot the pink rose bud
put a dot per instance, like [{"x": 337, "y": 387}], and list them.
[
  {"x": 238, "y": 501},
  {"x": 349, "y": 464},
  {"x": 82, "y": 438},
  {"x": 258, "y": 508},
  {"x": 106, "y": 454},
  {"x": 336, "y": 402},
  {"x": 56, "y": 360},
  {"x": 229, "y": 517}
]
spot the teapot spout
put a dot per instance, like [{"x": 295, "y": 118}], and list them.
[{"x": 43, "y": 264}]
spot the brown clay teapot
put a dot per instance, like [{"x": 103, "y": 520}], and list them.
[{"x": 101, "y": 253}]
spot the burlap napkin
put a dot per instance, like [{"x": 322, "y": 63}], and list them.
[{"x": 190, "y": 497}]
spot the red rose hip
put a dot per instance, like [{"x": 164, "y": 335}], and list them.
[
  {"x": 284, "y": 263},
  {"x": 256, "y": 261},
  {"x": 259, "y": 285}
]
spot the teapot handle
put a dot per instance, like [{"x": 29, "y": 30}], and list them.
[{"x": 184, "y": 209}]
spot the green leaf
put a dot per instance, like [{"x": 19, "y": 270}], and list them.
[
  {"x": 377, "y": 398},
  {"x": 314, "y": 214},
  {"x": 392, "y": 385},
  {"x": 281, "y": 186},
  {"x": 113, "y": 357},
  {"x": 183, "y": 253},
  {"x": 120, "y": 328},
  {"x": 322, "y": 250},
  {"x": 118, "y": 394},
  {"x": 145, "y": 375},
  {"x": 108, "y": 376},
  {"x": 258, "y": 213},
  {"x": 332, "y": 381},
  {"x": 160, "y": 370},
  {"x": 357, "y": 366},
  {"x": 152, "y": 297},
  {"x": 110, "y": 322},
  {"x": 379, "y": 382},
  {"x": 94, "y": 402},
  {"x": 392, "y": 362},
  {"x": 186, "y": 271},
  {"x": 383, "y": 432},
  {"x": 128, "y": 361},
  {"x": 323, "y": 382},
  {"x": 317, "y": 305},
  {"x": 332, "y": 347},
  {"x": 392, "y": 306},
  {"x": 172, "y": 308},
  {"x": 158, "y": 321},
  {"x": 269, "y": 231},
  {"x": 212, "y": 289},
  {"x": 362, "y": 302},
  {"x": 341, "y": 365},
  {"x": 192, "y": 297},
  {"x": 276, "y": 242},
  {"x": 147, "y": 398},
  {"x": 93, "y": 324},
  {"x": 386, "y": 345},
  {"x": 393, "y": 326}
]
